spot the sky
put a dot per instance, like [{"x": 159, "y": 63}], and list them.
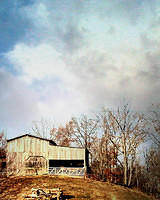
[{"x": 64, "y": 58}]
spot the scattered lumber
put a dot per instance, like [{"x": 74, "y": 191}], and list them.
[{"x": 48, "y": 194}]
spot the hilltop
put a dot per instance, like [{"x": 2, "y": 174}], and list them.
[{"x": 74, "y": 188}]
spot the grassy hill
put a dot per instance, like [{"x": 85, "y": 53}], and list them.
[{"x": 74, "y": 188}]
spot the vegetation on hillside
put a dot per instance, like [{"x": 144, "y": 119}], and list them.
[{"x": 114, "y": 139}]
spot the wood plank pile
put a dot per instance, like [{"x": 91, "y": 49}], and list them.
[{"x": 48, "y": 194}]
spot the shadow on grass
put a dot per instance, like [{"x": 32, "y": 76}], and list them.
[{"x": 64, "y": 197}]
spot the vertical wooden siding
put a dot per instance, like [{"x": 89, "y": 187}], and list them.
[{"x": 19, "y": 150}]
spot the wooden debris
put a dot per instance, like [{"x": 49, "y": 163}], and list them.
[{"x": 48, "y": 194}]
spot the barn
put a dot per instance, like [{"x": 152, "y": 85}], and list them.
[{"x": 29, "y": 155}]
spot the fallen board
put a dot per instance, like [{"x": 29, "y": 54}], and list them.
[{"x": 48, "y": 194}]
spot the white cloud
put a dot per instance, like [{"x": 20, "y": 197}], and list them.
[
  {"x": 38, "y": 62},
  {"x": 43, "y": 69},
  {"x": 37, "y": 14},
  {"x": 18, "y": 103}
]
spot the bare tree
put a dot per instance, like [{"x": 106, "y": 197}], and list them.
[
  {"x": 84, "y": 132},
  {"x": 3, "y": 141},
  {"x": 104, "y": 160},
  {"x": 125, "y": 130},
  {"x": 3, "y": 151},
  {"x": 153, "y": 119},
  {"x": 42, "y": 128},
  {"x": 150, "y": 176},
  {"x": 46, "y": 129},
  {"x": 151, "y": 171},
  {"x": 63, "y": 135}
]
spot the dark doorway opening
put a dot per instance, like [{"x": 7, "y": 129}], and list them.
[{"x": 66, "y": 163}]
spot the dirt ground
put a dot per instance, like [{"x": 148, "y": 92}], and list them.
[{"x": 73, "y": 188}]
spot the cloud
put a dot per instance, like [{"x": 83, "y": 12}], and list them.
[
  {"x": 132, "y": 12},
  {"x": 17, "y": 103},
  {"x": 148, "y": 43},
  {"x": 89, "y": 80},
  {"x": 55, "y": 23},
  {"x": 42, "y": 69},
  {"x": 72, "y": 38},
  {"x": 37, "y": 62},
  {"x": 13, "y": 25}
]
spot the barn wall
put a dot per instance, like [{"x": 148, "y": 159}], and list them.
[
  {"x": 65, "y": 153},
  {"x": 21, "y": 150}
]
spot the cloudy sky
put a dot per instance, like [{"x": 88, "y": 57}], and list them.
[{"x": 60, "y": 58}]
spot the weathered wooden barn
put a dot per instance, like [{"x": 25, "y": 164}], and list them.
[{"x": 28, "y": 155}]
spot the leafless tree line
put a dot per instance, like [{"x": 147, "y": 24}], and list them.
[
  {"x": 116, "y": 140},
  {"x": 149, "y": 174},
  {"x": 112, "y": 138}
]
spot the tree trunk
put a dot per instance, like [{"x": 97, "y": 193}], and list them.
[
  {"x": 125, "y": 162},
  {"x": 125, "y": 171},
  {"x": 137, "y": 181},
  {"x": 130, "y": 174}
]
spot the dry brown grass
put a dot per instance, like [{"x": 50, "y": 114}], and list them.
[{"x": 74, "y": 188}]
